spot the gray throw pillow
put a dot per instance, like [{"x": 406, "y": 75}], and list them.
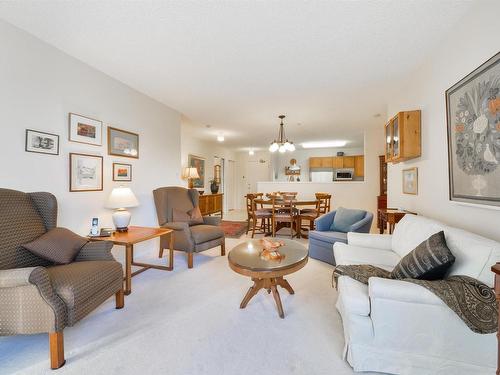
[
  {"x": 192, "y": 217},
  {"x": 345, "y": 217},
  {"x": 428, "y": 261},
  {"x": 59, "y": 245}
]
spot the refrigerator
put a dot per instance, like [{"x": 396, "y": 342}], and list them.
[{"x": 321, "y": 176}]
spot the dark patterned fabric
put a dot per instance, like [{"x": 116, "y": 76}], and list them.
[
  {"x": 46, "y": 205},
  {"x": 80, "y": 284},
  {"x": 428, "y": 261},
  {"x": 473, "y": 301},
  {"x": 59, "y": 245},
  {"x": 97, "y": 250},
  {"x": 20, "y": 223}
]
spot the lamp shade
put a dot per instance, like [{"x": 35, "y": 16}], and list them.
[
  {"x": 122, "y": 197},
  {"x": 191, "y": 172}
]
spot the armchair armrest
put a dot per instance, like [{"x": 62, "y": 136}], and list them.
[
  {"x": 177, "y": 226},
  {"x": 95, "y": 250},
  {"x": 364, "y": 225},
  {"x": 402, "y": 291},
  {"x": 212, "y": 220},
  {"x": 324, "y": 222},
  {"x": 182, "y": 235},
  {"x": 375, "y": 241}
]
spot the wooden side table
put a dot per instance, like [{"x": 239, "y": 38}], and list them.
[
  {"x": 496, "y": 270},
  {"x": 389, "y": 217},
  {"x": 129, "y": 239}
]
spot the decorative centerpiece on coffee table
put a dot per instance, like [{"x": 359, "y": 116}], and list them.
[{"x": 271, "y": 250}]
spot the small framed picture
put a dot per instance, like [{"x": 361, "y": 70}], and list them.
[
  {"x": 123, "y": 143},
  {"x": 85, "y": 172},
  {"x": 41, "y": 142},
  {"x": 85, "y": 130},
  {"x": 122, "y": 172},
  {"x": 410, "y": 181}
]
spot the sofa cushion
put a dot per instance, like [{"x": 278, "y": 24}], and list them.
[
  {"x": 345, "y": 218},
  {"x": 330, "y": 237},
  {"x": 411, "y": 231},
  {"x": 428, "y": 261},
  {"x": 349, "y": 254},
  {"x": 204, "y": 233},
  {"x": 59, "y": 245}
]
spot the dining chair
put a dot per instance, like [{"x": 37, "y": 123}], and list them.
[
  {"x": 308, "y": 214},
  {"x": 283, "y": 211},
  {"x": 325, "y": 200},
  {"x": 256, "y": 213}
]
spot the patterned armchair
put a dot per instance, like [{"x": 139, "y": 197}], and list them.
[
  {"x": 38, "y": 296},
  {"x": 191, "y": 238}
]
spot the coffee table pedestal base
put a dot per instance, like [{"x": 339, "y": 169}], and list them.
[{"x": 270, "y": 284}]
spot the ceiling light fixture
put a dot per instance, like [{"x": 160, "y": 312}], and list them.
[
  {"x": 324, "y": 144},
  {"x": 282, "y": 144},
  {"x": 251, "y": 152},
  {"x": 220, "y": 138}
]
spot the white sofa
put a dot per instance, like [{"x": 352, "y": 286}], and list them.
[{"x": 397, "y": 327}]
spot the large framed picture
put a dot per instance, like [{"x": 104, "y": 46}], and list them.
[
  {"x": 85, "y": 172},
  {"x": 473, "y": 120},
  {"x": 123, "y": 143},
  {"x": 410, "y": 181},
  {"x": 199, "y": 163},
  {"x": 122, "y": 172},
  {"x": 85, "y": 130},
  {"x": 41, "y": 142}
]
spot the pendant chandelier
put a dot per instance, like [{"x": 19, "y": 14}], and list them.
[{"x": 281, "y": 144}]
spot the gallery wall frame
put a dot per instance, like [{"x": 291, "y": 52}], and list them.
[
  {"x": 83, "y": 129},
  {"x": 122, "y": 172},
  {"x": 41, "y": 142},
  {"x": 85, "y": 172},
  {"x": 410, "y": 181},
  {"x": 123, "y": 143}
]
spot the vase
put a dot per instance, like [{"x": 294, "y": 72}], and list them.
[
  {"x": 214, "y": 187},
  {"x": 479, "y": 183}
]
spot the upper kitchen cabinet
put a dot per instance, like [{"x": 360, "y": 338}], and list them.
[
  {"x": 402, "y": 134},
  {"x": 359, "y": 166},
  {"x": 320, "y": 162}
]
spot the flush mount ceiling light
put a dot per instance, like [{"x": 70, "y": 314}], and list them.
[
  {"x": 324, "y": 144},
  {"x": 281, "y": 144},
  {"x": 220, "y": 138},
  {"x": 251, "y": 152}
]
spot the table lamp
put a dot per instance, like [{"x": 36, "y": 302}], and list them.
[
  {"x": 120, "y": 199},
  {"x": 191, "y": 173}
]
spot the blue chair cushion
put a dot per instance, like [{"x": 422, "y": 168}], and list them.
[
  {"x": 345, "y": 217},
  {"x": 329, "y": 237}
]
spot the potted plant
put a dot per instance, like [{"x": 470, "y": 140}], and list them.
[{"x": 214, "y": 186}]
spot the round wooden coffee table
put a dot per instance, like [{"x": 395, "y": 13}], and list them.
[{"x": 246, "y": 260}]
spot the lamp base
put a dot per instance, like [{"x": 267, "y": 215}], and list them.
[{"x": 121, "y": 219}]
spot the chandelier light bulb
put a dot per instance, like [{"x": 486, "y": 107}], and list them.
[
  {"x": 220, "y": 138},
  {"x": 291, "y": 147},
  {"x": 282, "y": 148},
  {"x": 274, "y": 147},
  {"x": 251, "y": 153}
]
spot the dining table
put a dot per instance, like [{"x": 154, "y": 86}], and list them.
[{"x": 299, "y": 203}]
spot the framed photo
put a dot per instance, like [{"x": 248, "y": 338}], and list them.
[
  {"x": 473, "y": 121},
  {"x": 199, "y": 163},
  {"x": 85, "y": 172},
  {"x": 122, "y": 172},
  {"x": 41, "y": 142},
  {"x": 410, "y": 181},
  {"x": 123, "y": 143},
  {"x": 85, "y": 130}
]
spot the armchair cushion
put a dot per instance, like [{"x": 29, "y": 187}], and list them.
[
  {"x": 192, "y": 217},
  {"x": 58, "y": 245},
  {"x": 428, "y": 261},
  {"x": 204, "y": 233},
  {"x": 212, "y": 220},
  {"x": 345, "y": 218}
]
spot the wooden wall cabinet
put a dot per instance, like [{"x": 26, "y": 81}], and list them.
[
  {"x": 321, "y": 162},
  {"x": 403, "y": 137},
  {"x": 356, "y": 162},
  {"x": 359, "y": 166},
  {"x": 211, "y": 204}
]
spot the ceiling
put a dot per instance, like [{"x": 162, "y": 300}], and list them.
[{"x": 237, "y": 65}]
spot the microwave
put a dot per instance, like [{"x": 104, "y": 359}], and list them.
[{"x": 345, "y": 174}]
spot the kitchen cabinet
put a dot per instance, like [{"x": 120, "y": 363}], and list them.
[
  {"x": 356, "y": 162},
  {"x": 338, "y": 162},
  {"x": 315, "y": 162},
  {"x": 320, "y": 162},
  {"x": 359, "y": 166},
  {"x": 348, "y": 162},
  {"x": 403, "y": 137}
]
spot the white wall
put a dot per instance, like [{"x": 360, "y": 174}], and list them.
[
  {"x": 469, "y": 44},
  {"x": 39, "y": 86}
]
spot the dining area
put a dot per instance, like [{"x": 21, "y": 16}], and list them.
[{"x": 289, "y": 213}]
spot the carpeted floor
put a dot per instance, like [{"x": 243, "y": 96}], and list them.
[{"x": 189, "y": 322}]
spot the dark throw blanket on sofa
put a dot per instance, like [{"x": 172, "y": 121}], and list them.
[{"x": 473, "y": 301}]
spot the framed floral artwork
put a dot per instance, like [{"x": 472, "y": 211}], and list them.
[
  {"x": 199, "y": 163},
  {"x": 85, "y": 130},
  {"x": 473, "y": 120},
  {"x": 122, "y": 172},
  {"x": 85, "y": 172},
  {"x": 410, "y": 181}
]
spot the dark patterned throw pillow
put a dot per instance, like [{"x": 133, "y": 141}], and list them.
[
  {"x": 59, "y": 245},
  {"x": 428, "y": 261}
]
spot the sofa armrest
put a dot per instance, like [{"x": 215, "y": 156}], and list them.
[
  {"x": 375, "y": 241},
  {"x": 402, "y": 291},
  {"x": 95, "y": 250},
  {"x": 212, "y": 220},
  {"x": 324, "y": 222}
]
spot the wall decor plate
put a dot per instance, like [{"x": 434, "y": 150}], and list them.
[
  {"x": 410, "y": 181},
  {"x": 41, "y": 142},
  {"x": 473, "y": 121},
  {"x": 199, "y": 163},
  {"x": 85, "y": 172},
  {"x": 123, "y": 143},
  {"x": 85, "y": 130},
  {"x": 122, "y": 172}
]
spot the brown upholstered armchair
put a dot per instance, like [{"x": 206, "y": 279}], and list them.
[
  {"x": 189, "y": 238},
  {"x": 36, "y": 295}
]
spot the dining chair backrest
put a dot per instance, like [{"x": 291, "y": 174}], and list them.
[
  {"x": 324, "y": 202},
  {"x": 250, "y": 202}
]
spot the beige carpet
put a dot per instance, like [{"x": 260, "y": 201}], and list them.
[{"x": 189, "y": 322}]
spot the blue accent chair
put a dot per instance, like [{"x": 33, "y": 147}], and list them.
[{"x": 322, "y": 239}]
